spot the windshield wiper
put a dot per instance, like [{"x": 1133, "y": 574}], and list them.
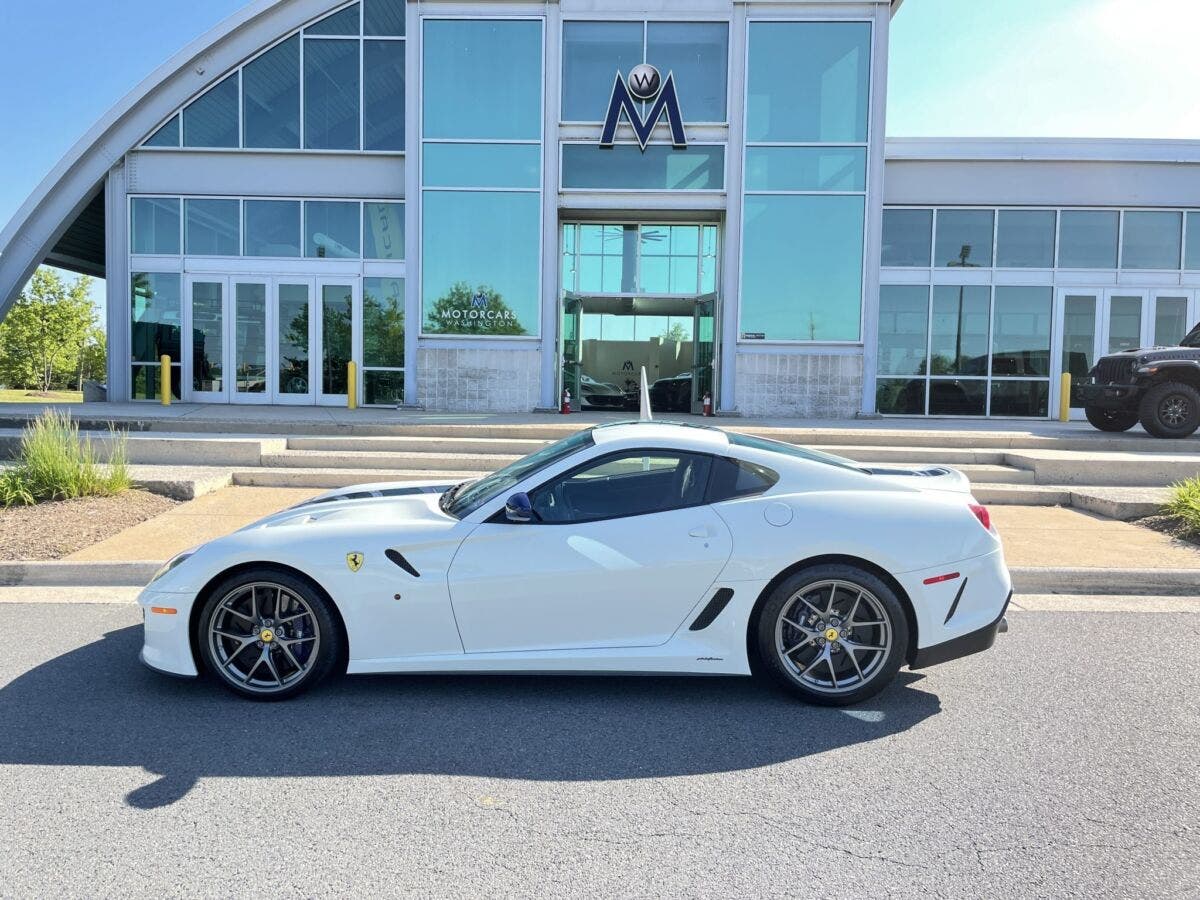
[{"x": 447, "y": 498}]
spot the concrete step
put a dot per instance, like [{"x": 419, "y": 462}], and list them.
[
  {"x": 1106, "y": 469},
  {"x": 946, "y": 456},
  {"x": 172, "y": 449},
  {"x": 1021, "y": 494},
  {"x": 417, "y": 444},
  {"x": 417, "y": 462},
  {"x": 337, "y": 478}
]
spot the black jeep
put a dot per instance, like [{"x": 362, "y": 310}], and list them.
[{"x": 1159, "y": 387}]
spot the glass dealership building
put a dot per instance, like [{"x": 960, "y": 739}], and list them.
[{"x": 486, "y": 204}]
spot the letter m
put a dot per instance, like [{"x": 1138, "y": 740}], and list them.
[{"x": 667, "y": 102}]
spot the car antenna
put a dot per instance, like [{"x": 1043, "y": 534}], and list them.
[{"x": 645, "y": 416}]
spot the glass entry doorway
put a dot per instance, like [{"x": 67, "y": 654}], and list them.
[
  {"x": 269, "y": 340},
  {"x": 606, "y": 340},
  {"x": 1095, "y": 322}
]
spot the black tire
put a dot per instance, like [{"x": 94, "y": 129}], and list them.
[
  {"x": 877, "y": 669},
  {"x": 305, "y": 636},
  {"x": 1170, "y": 410},
  {"x": 1111, "y": 419}
]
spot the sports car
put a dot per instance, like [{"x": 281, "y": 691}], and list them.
[{"x": 630, "y": 547}]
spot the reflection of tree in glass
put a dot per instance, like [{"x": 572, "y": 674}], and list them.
[
  {"x": 458, "y": 312},
  {"x": 336, "y": 316},
  {"x": 293, "y": 348},
  {"x": 383, "y": 329},
  {"x": 676, "y": 333}
]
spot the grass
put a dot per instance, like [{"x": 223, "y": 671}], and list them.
[
  {"x": 24, "y": 396},
  {"x": 55, "y": 463},
  {"x": 1185, "y": 504}
]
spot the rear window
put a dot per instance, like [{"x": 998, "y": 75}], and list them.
[
  {"x": 747, "y": 440},
  {"x": 738, "y": 478}
]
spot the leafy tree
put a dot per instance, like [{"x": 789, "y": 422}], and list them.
[
  {"x": 93, "y": 359},
  {"x": 45, "y": 331},
  {"x": 677, "y": 332},
  {"x": 459, "y": 312}
]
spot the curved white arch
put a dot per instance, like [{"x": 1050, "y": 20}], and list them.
[{"x": 79, "y": 176}]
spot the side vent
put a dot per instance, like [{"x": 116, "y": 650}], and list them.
[
  {"x": 398, "y": 558},
  {"x": 954, "y": 606},
  {"x": 712, "y": 609}
]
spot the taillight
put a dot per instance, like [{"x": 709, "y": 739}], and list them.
[{"x": 981, "y": 513}]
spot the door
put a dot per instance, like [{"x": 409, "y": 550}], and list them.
[
  {"x": 623, "y": 551},
  {"x": 248, "y": 339},
  {"x": 704, "y": 352},
  {"x": 572, "y": 349},
  {"x": 336, "y": 335},
  {"x": 1080, "y": 341},
  {"x": 293, "y": 380},
  {"x": 1172, "y": 315},
  {"x": 1122, "y": 320},
  {"x": 204, "y": 345}
]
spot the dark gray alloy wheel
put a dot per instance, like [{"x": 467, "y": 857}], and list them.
[
  {"x": 268, "y": 635},
  {"x": 833, "y": 634},
  {"x": 1170, "y": 410}
]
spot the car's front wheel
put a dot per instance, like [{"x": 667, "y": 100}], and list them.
[
  {"x": 1170, "y": 410},
  {"x": 833, "y": 634},
  {"x": 1110, "y": 419},
  {"x": 267, "y": 634}
]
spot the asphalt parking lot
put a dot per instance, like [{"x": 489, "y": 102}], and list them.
[{"x": 1063, "y": 763}]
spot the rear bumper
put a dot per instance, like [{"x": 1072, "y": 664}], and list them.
[
  {"x": 1109, "y": 396},
  {"x": 964, "y": 645}
]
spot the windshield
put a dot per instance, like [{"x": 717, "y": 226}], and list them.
[
  {"x": 463, "y": 499},
  {"x": 746, "y": 440},
  {"x": 1193, "y": 338}
]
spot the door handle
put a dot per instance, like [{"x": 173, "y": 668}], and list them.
[{"x": 701, "y": 532}]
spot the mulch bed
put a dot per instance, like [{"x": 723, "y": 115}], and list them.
[
  {"x": 53, "y": 530},
  {"x": 1172, "y": 526}
]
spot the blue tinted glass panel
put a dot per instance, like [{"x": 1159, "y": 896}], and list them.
[
  {"x": 383, "y": 95},
  {"x": 155, "y": 313},
  {"x": 383, "y": 230},
  {"x": 272, "y": 227},
  {"x": 331, "y": 230},
  {"x": 166, "y": 136},
  {"x": 1192, "y": 250},
  {"x": 907, "y": 237},
  {"x": 959, "y": 339},
  {"x": 331, "y": 95},
  {"x": 212, "y": 228},
  {"x": 383, "y": 322},
  {"x": 1088, "y": 239},
  {"x": 700, "y": 167},
  {"x": 344, "y": 22},
  {"x": 964, "y": 238},
  {"x": 384, "y": 18},
  {"x": 481, "y": 263},
  {"x": 483, "y": 79},
  {"x": 593, "y": 54},
  {"x": 211, "y": 120},
  {"x": 697, "y": 53},
  {"x": 271, "y": 97},
  {"x": 1021, "y": 330},
  {"x": 903, "y": 329},
  {"x": 1151, "y": 240},
  {"x": 806, "y": 169},
  {"x": 154, "y": 225},
  {"x": 809, "y": 82},
  {"x": 802, "y": 267},
  {"x": 1025, "y": 238},
  {"x": 482, "y": 165}
]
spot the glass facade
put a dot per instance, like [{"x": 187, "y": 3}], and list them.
[{"x": 639, "y": 259}]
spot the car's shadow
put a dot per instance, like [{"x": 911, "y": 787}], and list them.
[{"x": 97, "y": 706}]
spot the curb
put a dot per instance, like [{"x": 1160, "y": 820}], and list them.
[
  {"x": 59, "y": 573},
  {"x": 1094, "y": 581}
]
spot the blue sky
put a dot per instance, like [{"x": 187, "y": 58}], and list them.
[{"x": 1075, "y": 68}]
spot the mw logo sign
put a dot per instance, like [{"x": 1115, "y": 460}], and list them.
[{"x": 645, "y": 86}]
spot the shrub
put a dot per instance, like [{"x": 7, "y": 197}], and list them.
[
  {"x": 55, "y": 463},
  {"x": 1185, "y": 503}
]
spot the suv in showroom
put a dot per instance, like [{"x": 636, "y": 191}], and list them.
[{"x": 1158, "y": 386}]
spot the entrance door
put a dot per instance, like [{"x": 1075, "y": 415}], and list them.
[
  {"x": 294, "y": 326},
  {"x": 1080, "y": 340},
  {"x": 572, "y": 349},
  {"x": 204, "y": 321},
  {"x": 1122, "y": 320},
  {"x": 248, "y": 338},
  {"x": 1173, "y": 313},
  {"x": 337, "y": 321},
  {"x": 704, "y": 352}
]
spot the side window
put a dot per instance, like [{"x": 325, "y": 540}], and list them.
[
  {"x": 632, "y": 483},
  {"x": 738, "y": 478}
]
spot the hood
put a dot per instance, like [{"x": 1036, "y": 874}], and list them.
[{"x": 390, "y": 504}]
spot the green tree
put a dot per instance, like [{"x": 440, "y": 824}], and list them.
[
  {"x": 677, "y": 332},
  {"x": 45, "y": 331},
  {"x": 458, "y": 311},
  {"x": 93, "y": 359}
]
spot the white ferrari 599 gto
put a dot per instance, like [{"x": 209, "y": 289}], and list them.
[{"x": 634, "y": 547}]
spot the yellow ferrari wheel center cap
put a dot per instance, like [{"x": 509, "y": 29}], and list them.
[
  {"x": 831, "y": 634},
  {"x": 266, "y": 636}
]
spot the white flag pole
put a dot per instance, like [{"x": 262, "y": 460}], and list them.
[{"x": 646, "y": 415}]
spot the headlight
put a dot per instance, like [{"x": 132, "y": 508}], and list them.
[{"x": 172, "y": 563}]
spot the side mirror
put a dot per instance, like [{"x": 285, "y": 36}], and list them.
[{"x": 518, "y": 509}]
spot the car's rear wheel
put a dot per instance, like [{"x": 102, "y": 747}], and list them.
[
  {"x": 268, "y": 635},
  {"x": 1110, "y": 419},
  {"x": 833, "y": 634},
  {"x": 1170, "y": 410}
]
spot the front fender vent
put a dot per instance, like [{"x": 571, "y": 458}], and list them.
[{"x": 398, "y": 558}]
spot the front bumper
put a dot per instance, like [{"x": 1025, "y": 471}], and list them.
[
  {"x": 166, "y": 644},
  {"x": 956, "y": 648},
  {"x": 1109, "y": 396}
]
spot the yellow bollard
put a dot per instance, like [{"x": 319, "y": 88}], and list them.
[
  {"x": 351, "y": 385},
  {"x": 164, "y": 379},
  {"x": 1064, "y": 397}
]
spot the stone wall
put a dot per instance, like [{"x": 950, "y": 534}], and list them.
[
  {"x": 800, "y": 385},
  {"x": 478, "y": 380}
]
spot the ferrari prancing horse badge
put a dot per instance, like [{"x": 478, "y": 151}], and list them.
[{"x": 354, "y": 561}]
